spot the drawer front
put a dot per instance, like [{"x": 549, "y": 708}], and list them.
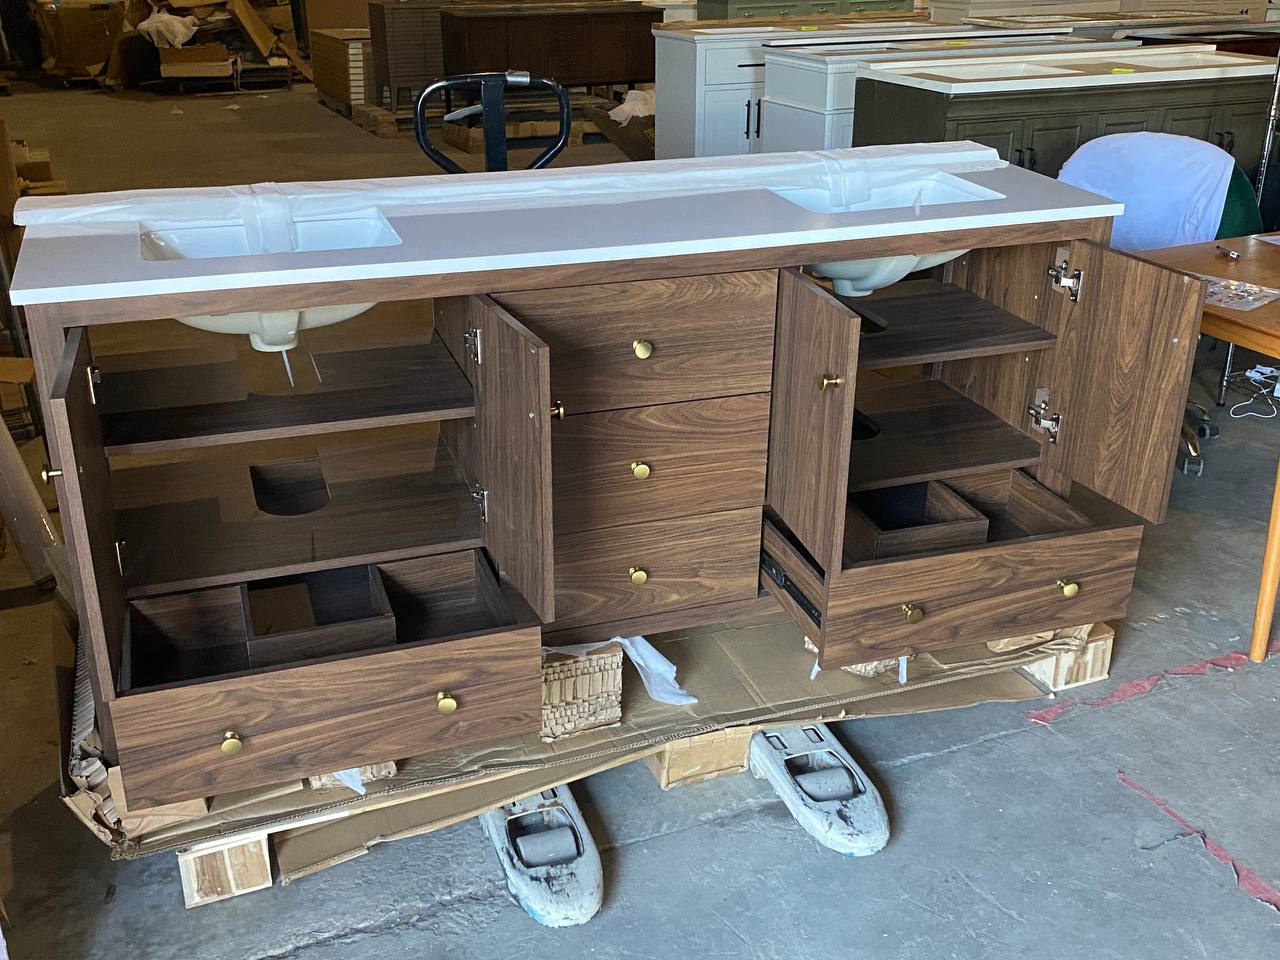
[
  {"x": 688, "y": 562},
  {"x": 653, "y": 463},
  {"x": 617, "y": 345},
  {"x": 735, "y": 64},
  {"x": 326, "y": 716},
  {"x": 991, "y": 592}
]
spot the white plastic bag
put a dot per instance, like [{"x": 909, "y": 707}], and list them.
[
  {"x": 637, "y": 103},
  {"x": 166, "y": 30}
]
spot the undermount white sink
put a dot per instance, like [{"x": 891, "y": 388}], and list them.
[
  {"x": 1177, "y": 60},
  {"x": 916, "y": 192},
  {"x": 270, "y": 330},
  {"x": 995, "y": 71},
  {"x": 198, "y": 243},
  {"x": 860, "y": 278}
]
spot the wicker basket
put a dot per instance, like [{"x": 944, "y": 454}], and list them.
[{"x": 580, "y": 692}]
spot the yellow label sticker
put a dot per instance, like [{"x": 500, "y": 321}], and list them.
[
  {"x": 955, "y": 43},
  {"x": 808, "y": 28},
  {"x": 1123, "y": 70}
]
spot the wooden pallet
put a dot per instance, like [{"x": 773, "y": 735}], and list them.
[
  {"x": 522, "y": 110},
  {"x": 338, "y": 107},
  {"x": 471, "y": 139}
]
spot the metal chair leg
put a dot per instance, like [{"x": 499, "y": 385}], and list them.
[{"x": 1226, "y": 374}]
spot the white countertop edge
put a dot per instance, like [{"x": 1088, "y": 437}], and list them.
[
  {"x": 304, "y": 275},
  {"x": 1061, "y": 82}
]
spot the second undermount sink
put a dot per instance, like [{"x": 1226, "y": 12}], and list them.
[
  {"x": 308, "y": 236},
  {"x": 271, "y": 331},
  {"x": 994, "y": 71},
  {"x": 860, "y": 278},
  {"x": 918, "y": 192}
]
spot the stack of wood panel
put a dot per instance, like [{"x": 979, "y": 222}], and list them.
[{"x": 338, "y": 59}]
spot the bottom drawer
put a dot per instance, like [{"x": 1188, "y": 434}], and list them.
[
  {"x": 645, "y": 568},
  {"x": 1043, "y": 565},
  {"x": 451, "y": 660}
]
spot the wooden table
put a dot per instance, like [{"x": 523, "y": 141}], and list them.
[{"x": 1258, "y": 330}]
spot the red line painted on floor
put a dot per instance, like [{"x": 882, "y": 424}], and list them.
[
  {"x": 1246, "y": 879},
  {"x": 1139, "y": 688}
]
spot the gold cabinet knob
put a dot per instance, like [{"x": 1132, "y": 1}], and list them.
[
  {"x": 446, "y": 702},
  {"x": 639, "y": 469},
  {"x": 828, "y": 382},
  {"x": 643, "y": 349},
  {"x": 47, "y": 473},
  {"x": 232, "y": 743},
  {"x": 639, "y": 575},
  {"x": 913, "y": 613},
  {"x": 1069, "y": 588},
  {"x": 557, "y": 411}
]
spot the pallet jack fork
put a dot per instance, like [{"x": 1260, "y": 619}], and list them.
[
  {"x": 823, "y": 787},
  {"x": 550, "y": 860}
]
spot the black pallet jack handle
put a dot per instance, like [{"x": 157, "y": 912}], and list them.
[{"x": 493, "y": 111}]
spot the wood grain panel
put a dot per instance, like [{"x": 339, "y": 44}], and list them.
[
  {"x": 668, "y": 621},
  {"x": 703, "y": 456},
  {"x": 513, "y": 416},
  {"x": 85, "y": 505},
  {"x": 296, "y": 295},
  {"x": 327, "y": 716},
  {"x": 710, "y": 336},
  {"x": 1126, "y": 348},
  {"x": 924, "y": 321},
  {"x": 991, "y": 592},
  {"x": 927, "y": 430},
  {"x": 359, "y": 389},
  {"x": 690, "y": 561},
  {"x": 810, "y": 429}
]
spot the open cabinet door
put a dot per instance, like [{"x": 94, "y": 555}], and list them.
[
  {"x": 84, "y": 503},
  {"x": 513, "y": 403},
  {"x": 811, "y": 423},
  {"x": 1125, "y": 347}
]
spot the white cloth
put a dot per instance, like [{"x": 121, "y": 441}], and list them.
[{"x": 1173, "y": 188}]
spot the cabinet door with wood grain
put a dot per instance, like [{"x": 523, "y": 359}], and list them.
[
  {"x": 1125, "y": 346},
  {"x": 811, "y": 422},
  {"x": 513, "y": 421}
]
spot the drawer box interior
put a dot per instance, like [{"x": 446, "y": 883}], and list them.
[
  {"x": 317, "y": 615},
  {"x": 998, "y": 506},
  {"x": 909, "y": 519},
  {"x": 203, "y": 634}
]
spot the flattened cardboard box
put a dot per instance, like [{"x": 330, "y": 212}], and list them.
[{"x": 753, "y": 675}]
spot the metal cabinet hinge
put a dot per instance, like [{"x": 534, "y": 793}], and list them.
[
  {"x": 1067, "y": 279},
  {"x": 94, "y": 376},
  {"x": 1043, "y": 420},
  {"x": 481, "y": 496},
  {"x": 472, "y": 338}
]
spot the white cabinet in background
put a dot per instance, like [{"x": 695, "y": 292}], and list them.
[{"x": 731, "y": 124}]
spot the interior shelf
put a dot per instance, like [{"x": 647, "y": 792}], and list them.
[
  {"x": 267, "y": 510},
  {"x": 183, "y": 407},
  {"x": 918, "y": 429},
  {"x": 924, "y": 321}
]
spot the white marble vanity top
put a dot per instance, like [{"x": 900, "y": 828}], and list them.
[
  {"x": 89, "y": 248},
  {"x": 879, "y": 30},
  {"x": 845, "y": 57},
  {"x": 1058, "y": 71}
]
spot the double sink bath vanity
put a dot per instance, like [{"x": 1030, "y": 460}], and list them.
[{"x": 571, "y": 404}]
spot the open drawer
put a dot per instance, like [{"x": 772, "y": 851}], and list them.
[
  {"x": 1042, "y": 564},
  {"x": 238, "y": 686}
]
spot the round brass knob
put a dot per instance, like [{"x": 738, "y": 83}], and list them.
[
  {"x": 829, "y": 382},
  {"x": 446, "y": 702},
  {"x": 643, "y": 349},
  {"x": 47, "y": 473},
  {"x": 557, "y": 411},
  {"x": 913, "y": 613},
  {"x": 232, "y": 743},
  {"x": 639, "y": 469},
  {"x": 1069, "y": 588},
  {"x": 639, "y": 575}
]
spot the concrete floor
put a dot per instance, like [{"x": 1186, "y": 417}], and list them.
[{"x": 1011, "y": 839}]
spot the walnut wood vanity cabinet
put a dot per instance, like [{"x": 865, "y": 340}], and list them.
[{"x": 275, "y": 586}]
